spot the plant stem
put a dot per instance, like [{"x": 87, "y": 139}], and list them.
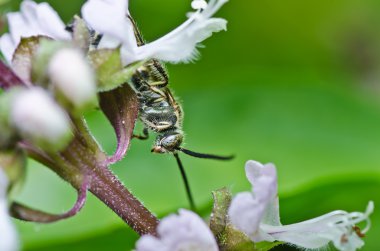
[
  {"x": 83, "y": 158},
  {"x": 108, "y": 188},
  {"x": 8, "y": 78}
]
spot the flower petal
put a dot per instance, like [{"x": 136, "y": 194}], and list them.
[
  {"x": 181, "y": 47},
  {"x": 183, "y": 232},
  {"x": 337, "y": 226},
  {"x": 7, "y": 47},
  {"x": 109, "y": 17},
  {"x": 246, "y": 213},
  {"x": 180, "y": 44},
  {"x": 248, "y": 210},
  {"x": 150, "y": 243},
  {"x": 32, "y": 20}
]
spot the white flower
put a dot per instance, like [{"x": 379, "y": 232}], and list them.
[
  {"x": 256, "y": 214},
  {"x": 109, "y": 17},
  {"x": 183, "y": 232},
  {"x": 8, "y": 234},
  {"x": 32, "y": 20},
  {"x": 39, "y": 119},
  {"x": 72, "y": 75}
]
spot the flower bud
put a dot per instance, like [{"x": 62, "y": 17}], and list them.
[
  {"x": 73, "y": 77},
  {"x": 40, "y": 120}
]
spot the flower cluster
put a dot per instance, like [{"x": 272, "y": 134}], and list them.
[{"x": 256, "y": 215}]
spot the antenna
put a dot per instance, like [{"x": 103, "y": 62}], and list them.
[
  {"x": 203, "y": 155},
  {"x": 186, "y": 182},
  {"x": 183, "y": 173}
]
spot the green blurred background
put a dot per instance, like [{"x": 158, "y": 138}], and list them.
[{"x": 292, "y": 82}]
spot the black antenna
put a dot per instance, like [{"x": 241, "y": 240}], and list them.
[
  {"x": 203, "y": 155},
  {"x": 186, "y": 182}
]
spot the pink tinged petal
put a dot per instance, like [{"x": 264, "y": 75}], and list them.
[
  {"x": 246, "y": 213},
  {"x": 150, "y": 243},
  {"x": 8, "y": 235},
  {"x": 109, "y": 17},
  {"x": 263, "y": 179},
  {"x": 248, "y": 210},
  {"x": 183, "y": 232}
]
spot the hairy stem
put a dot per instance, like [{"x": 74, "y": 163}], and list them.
[
  {"x": 108, "y": 188},
  {"x": 83, "y": 159}
]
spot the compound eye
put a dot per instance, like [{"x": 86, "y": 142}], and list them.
[{"x": 171, "y": 142}]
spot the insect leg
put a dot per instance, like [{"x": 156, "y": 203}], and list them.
[{"x": 144, "y": 136}]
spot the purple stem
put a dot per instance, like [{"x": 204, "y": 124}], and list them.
[
  {"x": 108, "y": 188},
  {"x": 8, "y": 78}
]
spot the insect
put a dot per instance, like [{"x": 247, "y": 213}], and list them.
[
  {"x": 158, "y": 109},
  {"x": 161, "y": 113}
]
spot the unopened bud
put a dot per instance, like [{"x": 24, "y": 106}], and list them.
[
  {"x": 73, "y": 77},
  {"x": 40, "y": 120}
]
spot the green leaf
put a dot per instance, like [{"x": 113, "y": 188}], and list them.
[
  {"x": 218, "y": 221},
  {"x": 265, "y": 246},
  {"x": 123, "y": 76},
  {"x": 81, "y": 34},
  {"x": 109, "y": 69},
  {"x": 106, "y": 62}
]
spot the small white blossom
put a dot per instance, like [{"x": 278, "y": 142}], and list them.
[
  {"x": 109, "y": 18},
  {"x": 183, "y": 232},
  {"x": 39, "y": 119},
  {"x": 32, "y": 20},
  {"x": 71, "y": 74},
  {"x": 256, "y": 214},
  {"x": 8, "y": 235}
]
